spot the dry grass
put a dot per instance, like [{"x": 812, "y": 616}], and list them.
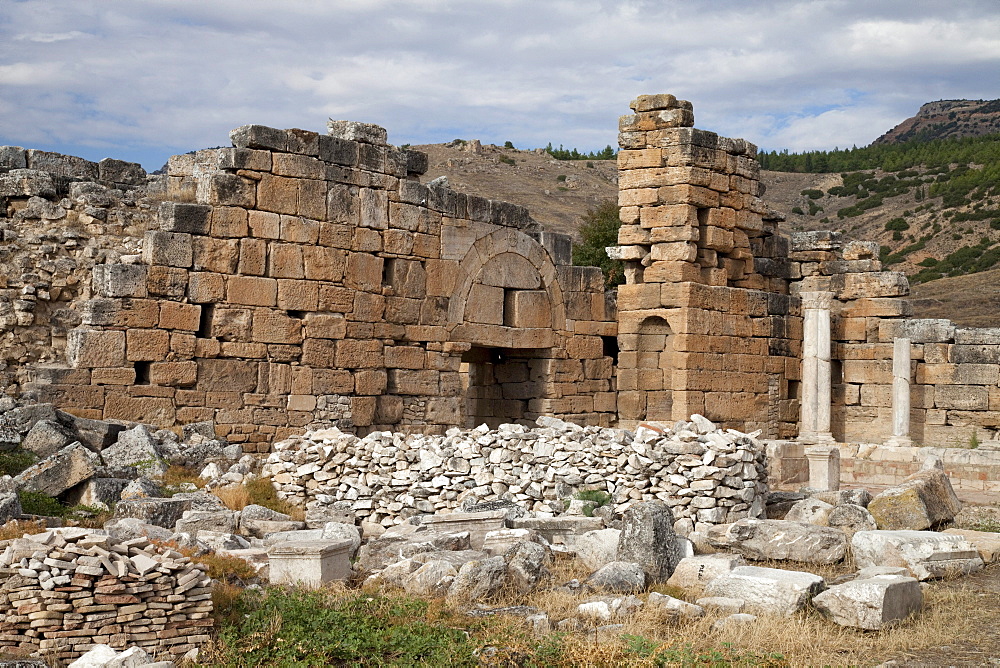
[
  {"x": 234, "y": 497},
  {"x": 18, "y": 528},
  {"x": 178, "y": 475}
]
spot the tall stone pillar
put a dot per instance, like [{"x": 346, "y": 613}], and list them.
[
  {"x": 900, "y": 392},
  {"x": 814, "y": 419}
]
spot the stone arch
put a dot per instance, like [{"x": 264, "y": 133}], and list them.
[{"x": 500, "y": 270}]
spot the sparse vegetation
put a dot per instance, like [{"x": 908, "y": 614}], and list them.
[
  {"x": 507, "y": 160},
  {"x": 15, "y": 461},
  {"x": 598, "y": 231},
  {"x": 607, "y": 153}
]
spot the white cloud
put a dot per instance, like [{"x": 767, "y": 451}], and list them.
[{"x": 146, "y": 79}]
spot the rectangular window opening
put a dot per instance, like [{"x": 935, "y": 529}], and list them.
[
  {"x": 205, "y": 321},
  {"x": 142, "y": 373}
]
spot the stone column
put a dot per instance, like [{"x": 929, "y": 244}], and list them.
[
  {"x": 900, "y": 393},
  {"x": 824, "y": 468},
  {"x": 814, "y": 419}
]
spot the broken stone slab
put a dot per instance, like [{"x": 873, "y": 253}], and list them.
[
  {"x": 647, "y": 538},
  {"x": 810, "y": 511},
  {"x": 780, "y": 539},
  {"x": 851, "y": 518},
  {"x": 697, "y": 571},
  {"x": 310, "y": 563},
  {"x": 46, "y": 438},
  {"x": 10, "y": 507},
  {"x": 477, "y": 524},
  {"x": 97, "y": 492},
  {"x": 922, "y": 501},
  {"x": 619, "y": 576},
  {"x": 858, "y": 497},
  {"x": 767, "y": 590},
  {"x": 478, "y": 580},
  {"x": 391, "y": 546},
  {"x": 501, "y": 540},
  {"x": 95, "y": 435},
  {"x": 144, "y": 488},
  {"x": 259, "y": 521},
  {"x": 130, "y": 528},
  {"x": 196, "y": 521},
  {"x": 54, "y": 475},
  {"x": 137, "y": 447},
  {"x": 23, "y": 418},
  {"x": 675, "y": 605},
  {"x": 433, "y": 578},
  {"x": 526, "y": 565},
  {"x": 723, "y": 604},
  {"x": 454, "y": 557},
  {"x": 598, "y": 548},
  {"x": 559, "y": 530},
  {"x": 223, "y": 541},
  {"x": 164, "y": 512},
  {"x": 987, "y": 543},
  {"x": 871, "y": 604},
  {"x": 926, "y": 554},
  {"x": 202, "y": 501}
]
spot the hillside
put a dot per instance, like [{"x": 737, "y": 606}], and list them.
[
  {"x": 947, "y": 118},
  {"x": 556, "y": 192}
]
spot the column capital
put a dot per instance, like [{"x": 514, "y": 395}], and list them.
[{"x": 816, "y": 300}]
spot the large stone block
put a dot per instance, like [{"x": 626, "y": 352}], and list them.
[
  {"x": 648, "y": 539},
  {"x": 779, "y": 539},
  {"x": 767, "y": 590},
  {"x": 88, "y": 348},
  {"x": 57, "y": 473},
  {"x": 527, "y": 308},
  {"x": 924, "y": 500},
  {"x": 926, "y": 554},
  {"x": 697, "y": 571},
  {"x": 871, "y": 604},
  {"x": 120, "y": 280}
]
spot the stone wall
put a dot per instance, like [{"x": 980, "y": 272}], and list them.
[
  {"x": 298, "y": 279},
  {"x": 59, "y": 217}
]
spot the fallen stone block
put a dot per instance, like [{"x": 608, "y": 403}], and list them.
[
  {"x": 10, "y": 507},
  {"x": 196, "y": 521},
  {"x": 136, "y": 447},
  {"x": 767, "y": 590},
  {"x": 648, "y": 539},
  {"x": 922, "y": 501},
  {"x": 851, "y": 518},
  {"x": 477, "y": 524},
  {"x": 811, "y": 511},
  {"x": 433, "y": 578},
  {"x": 723, "y": 604},
  {"x": 98, "y": 492},
  {"x": 871, "y": 604},
  {"x": 619, "y": 576},
  {"x": 259, "y": 521},
  {"x": 478, "y": 580},
  {"x": 499, "y": 541},
  {"x": 675, "y": 605},
  {"x": 310, "y": 563},
  {"x": 987, "y": 543},
  {"x": 94, "y": 434},
  {"x": 926, "y": 554},
  {"x": 526, "y": 565},
  {"x": 598, "y": 548},
  {"x": 559, "y": 530},
  {"x": 54, "y": 475},
  {"x": 737, "y": 619},
  {"x": 46, "y": 438},
  {"x": 158, "y": 512},
  {"x": 780, "y": 539},
  {"x": 697, "y": 571},
  {"x": 391, "y": 547}
]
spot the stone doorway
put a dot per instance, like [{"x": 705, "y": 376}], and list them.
[{"x": 499, "y": 384}]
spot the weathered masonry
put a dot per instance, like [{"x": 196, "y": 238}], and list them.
[{"x": 300, "y": 279}]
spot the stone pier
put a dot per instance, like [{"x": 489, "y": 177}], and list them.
[{"x": 900, "y": 392}]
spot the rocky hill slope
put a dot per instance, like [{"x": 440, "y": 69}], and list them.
[{"x": 947, "y": 118}]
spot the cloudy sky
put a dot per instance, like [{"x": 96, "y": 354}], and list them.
[{"x": 141, "y": 80}]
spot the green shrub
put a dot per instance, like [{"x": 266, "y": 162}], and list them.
[
  {"x": 798, "y": 210},
  {"x": 812, "y": 193},
  {"x": 598, "y": 231},
  {"x": 507, "y": 160},
  {"x": 561, "y": 178},
  {"x": 508, "y": 144},
  {"x": 15, "y": 461},
  {"x": 39, "y": 503},
  {"x": 897, "y": 225}
]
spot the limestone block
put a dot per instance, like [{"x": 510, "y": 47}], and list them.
[
  {"x": 229, "y": 221},
  {"x": 779, "y": 539},
  {"x": 364, "y": 272},
  {"x": 170, "y": 282},
  {"x": 623, "y": 577},
  {"x": 926, "y": 554},
  {"x": 275, "y": 327},
  {"x": 323, "y": 264},
  {"x": 222, "y": 375},
  {"x": 46, "y": 438},
  {"x": 326, "y": 326},
  {"x": 767, "y": 590},
  {"x": 598, "y": 548},
  {"x": 55, "y": 474},
  {"x": 206, "y": 287},
  {"x": 13, "y": 157},
  {"x": 671, "y": 272},
  {"x": 849, "y": 518},
  {"x": 278, "y": 194},
  {"x": 173, "y": 374},
  {"x": 871, "y": 284},
  {"x": 485, "y": 305},
  {"x": 285, "y": 261},
  {"x": 296, "y": 295},
  {"x": 674, "y": 252},
  {"x": 413, "y": 382},
  {"x": 147, "y": 410},
  {"x": 227, "y": 190},
  {"x": 167, "y": 248},
  {"x": 986, "y": 543},
  {"x": 252, "y": 291},
  {"x": 527, "y": 308},
  {"x": 359, "y": 354},
  {"x": 925, "y": 499},
  {"x": 957, "y": 374},
  {"x": 696, "y": 572},
  {"x": 309, "y": 563},
  {"x": 62, "y": 165},
  {"x": 184, "y": 218},
  {"x": 174, "y": 315},
  {"x": 374, "y": 209},
  {"x": 259, "y": 137},
  {"x": 338, "y": 150},
  {"x": 871, "y": 604},
  {"x": 26, "y": 183},
  {"x": 243, "y": 158},
  {"x": 146, "y": 345},
  {"x": 120, "y": 280},
  {"x": 88, "y": 348},
  {"x": 811, "y": 511},
  {"x": 917, "y": 330},
  {"x": 354, "y": 131},
  {"x": 647, "y": 539}
]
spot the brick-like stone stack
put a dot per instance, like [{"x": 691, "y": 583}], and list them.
[
  {"x": 702, "y": 328},
  {"x": 299, "y": 279},
  {"x": 65, "y": 590}
]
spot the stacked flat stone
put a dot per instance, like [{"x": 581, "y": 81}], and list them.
[
  {"x": 64, "y": 591},
  {"x": 708, "y": 476}
]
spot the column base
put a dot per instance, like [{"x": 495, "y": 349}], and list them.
[
  {"x": 816, "y": 437},
  {"x": 899, "y": 441}
]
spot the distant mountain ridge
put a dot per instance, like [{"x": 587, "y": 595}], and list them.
[{"x": 947, "y": 118}]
